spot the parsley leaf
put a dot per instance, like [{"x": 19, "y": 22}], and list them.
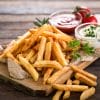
[
  {"x": 74, "y": 44},
  {"x": 88, "y": 49},
  {"x": 75, "y": 55}
]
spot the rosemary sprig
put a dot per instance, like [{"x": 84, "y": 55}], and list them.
[{"x": 41, "y": 22}]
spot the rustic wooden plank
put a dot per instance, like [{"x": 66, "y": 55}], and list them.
[
  {"x": 24, "y": 18},
  {"x": 5, "y": 41},
  {"x": 21, "y": 17},
  {"x": 47, "y": 0},
  {"x": 38, "y": 7}
]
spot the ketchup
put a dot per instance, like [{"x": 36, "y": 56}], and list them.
[{"x": 65, "y": 22}]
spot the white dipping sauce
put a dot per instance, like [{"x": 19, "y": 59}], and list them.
[{"x": 89, "y": 32}]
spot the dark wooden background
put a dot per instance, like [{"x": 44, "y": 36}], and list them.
[{"x": 17, "y": 16}]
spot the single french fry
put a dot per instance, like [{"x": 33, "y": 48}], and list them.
[
  {"x": 47, "y": 74},
  {"x": 87, "y": 93},
  {"x": 57, "y": 95},
  {"x": 56, "y": 30},
  {"x": 48, "y": 51},
  {"x": 76, "y": 82},
  {"x": 89, "y": 75},
  {"x": 85, "y": 79},
  {"x": 47, "y": 63},
  {"x": 64, "y": 37},
  {"x": 29, "y": 67},
  {"x": 64, "y": 77},
  {"x": 67, "y": 93},
  {"x": 30, "y": 54},
  {"x": 59, "y": 55},
  {"x": 57, "y": 74},
  {"x": 63, "y": 44},
  {"x": 33, "y": 59},
  {"x": 9, "y": 55},
  {"x": 76, "y": 88},
  {"x": 41, "y": 49},
  {"x": 47, "y": 57}
]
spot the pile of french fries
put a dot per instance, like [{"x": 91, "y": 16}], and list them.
[{"x": 42, "y": 52}]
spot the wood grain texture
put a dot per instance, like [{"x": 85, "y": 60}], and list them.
[{"x": 38, "y": 7}]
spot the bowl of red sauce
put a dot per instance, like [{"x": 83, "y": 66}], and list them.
[{"x": 64, "y": 21}]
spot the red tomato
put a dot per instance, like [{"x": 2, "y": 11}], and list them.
[
  {"x": 90, "y": 18},
  {"x": 82, "y": 10}
]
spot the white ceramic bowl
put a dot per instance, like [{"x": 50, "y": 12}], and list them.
[{"x": 92, "y": 41}]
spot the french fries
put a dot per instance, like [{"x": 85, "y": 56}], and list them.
[
  {"x": 76, "y": 82},
  {"x": 91, "y": 76},
  {"x": 64, "y": 77},
  {"x": 57, "y": 74},
  {"x": 44, "y": 53},
  {"x": 41, "y": 49},
  {"x": 46, "y": 63},
  {"x": 29, "y": 67},
  {"x": 87, "y": 93},
  {"x": 58, "y": 53},
  {"x": 85, "y": 79},
  {"x": 76, "y": 88},
  {"x": 57, "y": 95},
  {"x": 30, "y": 55},
  {"x": 67, "y": 93}
]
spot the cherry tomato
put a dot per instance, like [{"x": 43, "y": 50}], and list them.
[
  {"x": 90, "y": 18},
  {"x": 82, "y": 10}
]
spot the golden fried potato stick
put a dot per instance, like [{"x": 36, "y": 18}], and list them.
[
  {"x": 76, "y": 82},
  {"x": 67, "y": 93},
  {"x": 47, "y": 57},
  {"x": 76, "y": 88},
  {"x": 87, "y": 93},
  {"x": 30, "y": 55},
  {"x": 33, "y": 59},
  {"x": 59, "y": 54},
  {"x": 10, "y": 55},
  {"x": 57, "y": 75},
  {"x": 16, "y": 44},
  {"x": 63, "y": 44},
  {"x": 29, "y": 68},
  {"x": 35, "y": 36},
  {"x": 57, "y": 95},
  {"x": 41, "y": 49},
  {"x": 47, "y": 63},
  {"x": 48, "y": 49},
  {"x": 85, "y": 79},
  {"x": 56, "y": 30},
  {"x": 89, "y": 75},
  {"x": 64, "y": 37},
  {"x": 64, "y": 77}
]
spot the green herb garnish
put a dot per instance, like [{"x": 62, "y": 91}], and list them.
[
  {"x": 88, "y": 49},
  {"x": 39, "y": 22},
  {"x": 75, "y": 55},
  {"x": 74, "y": 44},
  {"x": 90, "y": 32}
]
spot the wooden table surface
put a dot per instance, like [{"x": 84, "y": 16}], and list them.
[{"x": 17, "y": 16}]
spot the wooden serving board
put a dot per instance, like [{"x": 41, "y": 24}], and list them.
[
  {"x": 28, "y": 85},
  {"x": 25, "y": 85}
]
